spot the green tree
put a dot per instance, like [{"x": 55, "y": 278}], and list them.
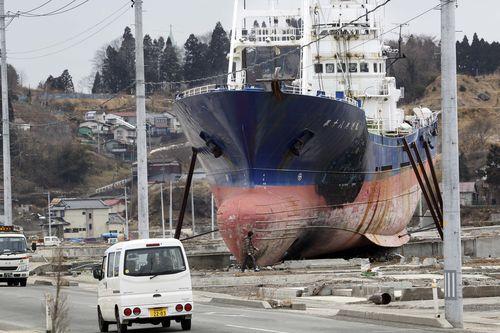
[
  {"x": 98, "y": 86},
  {"x": 464, "y": 169},
  {"x": 126, "y": 55},
  {"x": 492, "y": 169},
  {"x": 72, "y": 164},
  {"x": 195, "y": 63},
  {"x": 170, "y": 67},
  {"x": 217, "y": 50}
]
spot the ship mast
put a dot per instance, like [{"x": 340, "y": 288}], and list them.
[
  {"x": 233, "y": 41},
  {"x": 306, "y": 44}
]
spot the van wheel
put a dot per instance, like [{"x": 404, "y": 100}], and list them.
[
  {"x": 10, "y": 283},
  {"x": 103, "y": 325},
  {"x": 165, "y": 323},
  {"x": 186, "y": 324},
  {"x": 120, "y": 328},
  {"x": 22, "y": 282}
]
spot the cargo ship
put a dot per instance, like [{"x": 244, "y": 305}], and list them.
[{"x": 313, "y": 161}]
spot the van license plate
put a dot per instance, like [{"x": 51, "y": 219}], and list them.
[{"x": 158, "y": 312}]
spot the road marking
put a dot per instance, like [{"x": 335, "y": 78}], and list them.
[{"x": 255, "y": 329}]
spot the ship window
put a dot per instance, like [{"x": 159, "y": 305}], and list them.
[
  {"x": 375, "y": 67},
  {"x": 330, "y": 68},
  {"x": 341, "y": 68},
  {"x": 364, "y": 67},
  {"x": 353, "y": 67},
  {"x": 380, "y": 68},
  {"x": 318, "y": 68},
  {"x": 386, "y": 167}
]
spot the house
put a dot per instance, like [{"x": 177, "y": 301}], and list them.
[
  {"x": 97, "y": 116},
  {"x": 468, "y": 194},
  {"x": 95, "y": 127},
  {"x": 116, "y": 206},
  {"x": 85, "y": 218},
  {"x": 121, "y": 150},
  {"x": 129, "y": 117},
  {"x": 124, "y": 133},
  {"x": 116, "y": 224},
  {"x": 163, "y": 124}
]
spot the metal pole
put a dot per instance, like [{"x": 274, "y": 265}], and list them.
[
  {"x": 192, "y": 208},
  {"x": 170, "y": 212},
  {"x": 126, "y": 215},
  {"x": 452, "y": 248},
  {"x": 185, "y": 197},
  {"x": 162, "y": 211},
  {"x": 50, "y": 214},
  {"x": 142, "y": 158},
  {"x": 212, "y": 215},
  {"x": 7, "y": 180}
]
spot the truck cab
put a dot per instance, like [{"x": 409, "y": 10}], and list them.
[
  {"x": 144, "y": 282},
  {"x": 14, "y": 258}
]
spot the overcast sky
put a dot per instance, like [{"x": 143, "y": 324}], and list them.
[{"x": 67, "y": 42}]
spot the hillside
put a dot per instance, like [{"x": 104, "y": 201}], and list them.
[{"x": 478, "y": 114}]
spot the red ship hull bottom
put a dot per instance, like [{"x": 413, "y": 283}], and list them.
[{"x": 297, "y": 218}]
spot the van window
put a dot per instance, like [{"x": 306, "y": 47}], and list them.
[
  {"x": 103, "y": 266},
  {"x": 154, "y": 261},
  {"x": 111, "y": 262},
  {"x": 116, "y": 266}
]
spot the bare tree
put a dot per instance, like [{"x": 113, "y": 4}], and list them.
[{"x": 59, "y": 306}]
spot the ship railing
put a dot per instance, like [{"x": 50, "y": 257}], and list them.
[
  {"x": 198, "y": 90},
  {"x": 298, "y": 91}
]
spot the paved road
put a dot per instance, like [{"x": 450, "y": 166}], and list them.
[{"x": 22, "y": 309}]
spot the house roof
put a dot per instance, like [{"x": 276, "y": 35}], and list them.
[
  {"x": 125, "y": 114},
  {"x": 126, "y": 126},
  {"x": 112, "y": 202},
  {"x": 71, "y": 203}
]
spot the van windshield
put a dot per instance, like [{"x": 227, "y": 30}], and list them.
[
  {"x": 154, "y": 261},
  {"x": 12, "y": 244}
]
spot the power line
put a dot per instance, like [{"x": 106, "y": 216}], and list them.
[
  {"x": 36, "y": 8},
  {"x": 72, "y": 37},
  {"x": 77, "y": 43},
  {"x": 57, "y": 11}
]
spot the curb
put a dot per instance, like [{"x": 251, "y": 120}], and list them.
[
  {"x": 395, "y": 318},
  {"x": 241, "y": 302}
]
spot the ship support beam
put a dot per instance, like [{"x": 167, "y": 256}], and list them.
[{"x": 437, "y": 222}]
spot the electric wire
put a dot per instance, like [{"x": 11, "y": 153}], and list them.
[
  {"x": 77, "y": 43},
  {"x": 61, "y": 10},
  {"x": 36, "y": 8},
  {"x": 74, "y": 36}
]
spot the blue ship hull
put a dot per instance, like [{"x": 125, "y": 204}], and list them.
[{"x": 302, "y": 172}]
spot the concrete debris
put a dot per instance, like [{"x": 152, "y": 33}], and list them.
[{"x": 430, "y": 262}]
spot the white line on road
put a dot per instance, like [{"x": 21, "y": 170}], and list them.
[{"x": 255, "y": 329}]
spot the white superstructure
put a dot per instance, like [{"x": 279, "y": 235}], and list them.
[{"x": 342, "y": 53}]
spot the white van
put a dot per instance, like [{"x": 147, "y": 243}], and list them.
[
  {"x": 144, "y": 282},
  {"x": 51, "y": 241}
]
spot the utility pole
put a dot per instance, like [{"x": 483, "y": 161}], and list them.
[
  {"x": 162, "y": 211},
  {"x": 50, "y": 214},
  {"x": 452, "y": 248},
  {"x": 126, "y": 215},
  {"x": 212, "y": 215},
  {"x": 7, "y": 180},
  {"x": 142, "y": 158},
  {"x": 170, "y": 211},
  {"x": 192, "y": 209}
]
